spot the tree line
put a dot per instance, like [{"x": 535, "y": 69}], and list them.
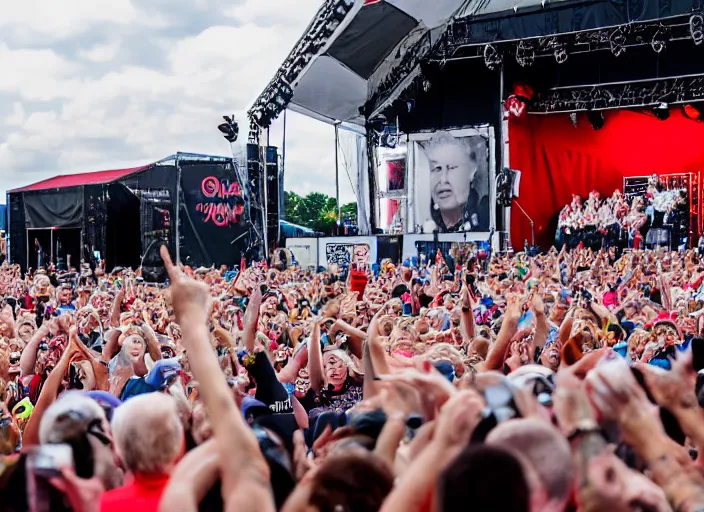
[{"x": 317, "y": 211}]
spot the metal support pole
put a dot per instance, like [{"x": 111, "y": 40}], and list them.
[
  {"x": 371, "y": 175},
  {"x": 8, "y": 233},
  {"x": 503, "y": 154},
  {"x": 337, "y": 176},
  {"x": 177, "y": 212},
  {"x": 264, "y": 195},
  {"x": 51, "y": 247},
  {"x": 282, "y": 201}
]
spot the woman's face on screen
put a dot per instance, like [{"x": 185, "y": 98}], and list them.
[{"x": 451, "y": 174}]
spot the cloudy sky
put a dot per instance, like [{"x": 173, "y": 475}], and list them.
[{"x": 104, "y": 84}]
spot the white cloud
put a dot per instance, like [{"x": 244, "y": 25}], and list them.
[
  {"x": 101, "y": 53},
  {"x": 18, "y": 115},
  {"x": 104, "y": 104},
  {"x": 36, "y": 74},
  {"x": 276, "y": 12},
  {"x": 61, "y": 19}
]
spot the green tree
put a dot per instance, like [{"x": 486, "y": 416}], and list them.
[
  {"x": 349, "y": 211},
  {"x": 293, "y": 204},
  {"x": 315, "y": 211}
]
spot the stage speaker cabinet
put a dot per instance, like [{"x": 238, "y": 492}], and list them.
[
  {"x": 389, "y": 247},
  {"x": 272, "y": 195},
  {"x": 254, "y": 191}
]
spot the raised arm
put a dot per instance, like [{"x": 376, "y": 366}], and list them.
[
  {"x": 467, "y": 320},
  {"x": 116, "y": 308},
  {"x": 497, "y": 352},
  {"x": 315, "y": 359},
  {"x": 245, "y": 473},
  {"x": 28, "y": 359}
]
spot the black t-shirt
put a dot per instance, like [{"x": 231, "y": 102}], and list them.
[
  {"x": 424, "y": 300},
  {"x": 269, "y": 390}
]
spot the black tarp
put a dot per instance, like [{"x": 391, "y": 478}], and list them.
[
  {"x": 124, "y": 240},
  {"x": 371, "y": 35},
  {"x": 63, "y": 209},
  {"x": 568, "y": 16},
  {"x": 17, "y": 247},
  {"x": 212, "y": 214}
]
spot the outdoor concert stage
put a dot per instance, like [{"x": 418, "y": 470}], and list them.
[
  {"x": 192, "y": 203},
  {"x": 575, "y": 95}
]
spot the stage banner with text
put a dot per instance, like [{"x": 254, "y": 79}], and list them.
[{"x": 213, "y": 228}]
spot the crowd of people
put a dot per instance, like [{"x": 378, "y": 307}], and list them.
[
  {"x": 657, "y": 217},
  {"x": 559, "y": 382}
]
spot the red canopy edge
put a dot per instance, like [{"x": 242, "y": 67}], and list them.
[{"x": 80, "y": 179}]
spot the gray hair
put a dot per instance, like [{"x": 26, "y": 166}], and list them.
[{"x": 148, "y": 433}]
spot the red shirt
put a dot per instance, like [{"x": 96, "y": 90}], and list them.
[{"x": 143, "y": 494}]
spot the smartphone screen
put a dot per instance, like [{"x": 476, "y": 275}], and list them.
[{"x": 43, "y": 463}]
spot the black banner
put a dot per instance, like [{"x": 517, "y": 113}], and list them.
[
  {"x": 255, "y": 191},
  {"x": 212, "y": 215},
  {"x": 63, "y": 209}
]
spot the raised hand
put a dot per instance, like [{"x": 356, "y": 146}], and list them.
[
  {"x": 673, "y": 389},
  {"x": 458, "y": 418},
  {"x": 190, "y": 299}
]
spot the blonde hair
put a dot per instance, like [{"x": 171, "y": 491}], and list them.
[{"x": 148, "y": 433}]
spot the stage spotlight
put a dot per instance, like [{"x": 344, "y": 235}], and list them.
[
  {"x": 596, "y": 118},
  {"x": 617, "y": 42},
  {"x": 492, "y": 58},
  {"x": 692, "y": 112},
  {"x": 658, "y": 43},
  {"x": 525, "y": 54},
  {"x": 229, "y": 129},
  {"x": 662, "y": 111},
  {"x": 561, "y": 54},
  {"x": 696, "y": 28}
]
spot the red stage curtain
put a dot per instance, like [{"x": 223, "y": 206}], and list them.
[
  {"x": 557, "y": 160},
  {"x": 391, "y": 212}
]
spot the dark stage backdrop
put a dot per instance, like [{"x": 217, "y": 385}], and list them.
[
  {"x": 558, "y": 160},
  {"x": 212, "y": 210}
]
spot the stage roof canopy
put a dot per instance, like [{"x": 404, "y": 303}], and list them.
[
  {"x": 347, "y": 51},
  {"x": 111, "y": 176},
  {"x": 490, "y": 21},
  {"x": 357, "y": 55}
]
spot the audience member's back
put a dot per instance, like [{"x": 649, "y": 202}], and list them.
[
  {"x": 149, "y": 439},
  {"x": 483, "y": 479}
]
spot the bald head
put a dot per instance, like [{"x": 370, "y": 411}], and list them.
[{"x": 544, "y": 448}]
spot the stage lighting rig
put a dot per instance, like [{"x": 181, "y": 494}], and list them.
[
  {"x": 692, "y": 112},
  {"x": 525, "y": 54},
  {"x": 662, "y": 111},
  {"x": 617, "y": 42},
  {"x": 696, "y": 28},
  {"x": 596, "y": 118},
  {"x": 492, "y": 58},
  {"x": 659, "y": 41},
  {"x": 230, "y": 129},
  {"x": 560, "y": 53}
]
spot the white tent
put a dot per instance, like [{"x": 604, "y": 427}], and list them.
[{"x": 340, "y": 63}]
